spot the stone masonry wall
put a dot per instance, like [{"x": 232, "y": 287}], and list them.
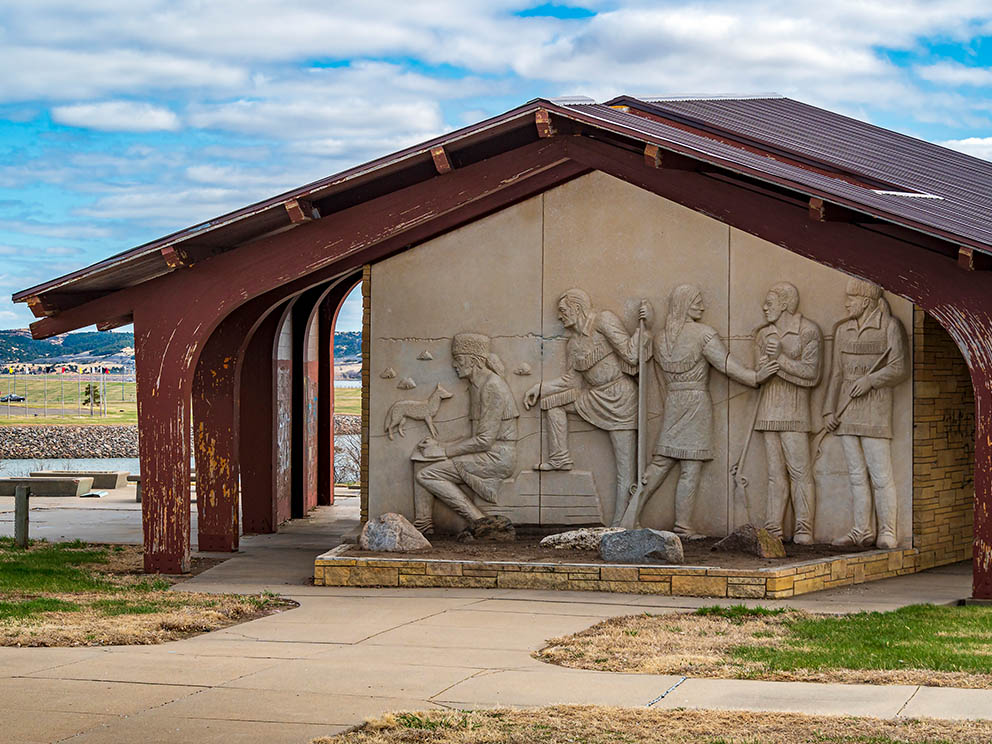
[
  {"x": 943, "y": 447},
  {"x": 63, "y": 442}
]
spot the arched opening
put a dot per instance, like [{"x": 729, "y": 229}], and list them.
[{"x": 943, "y": 447}]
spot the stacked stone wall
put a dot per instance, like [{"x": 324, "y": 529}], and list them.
[{"x": 943, "y": 447}]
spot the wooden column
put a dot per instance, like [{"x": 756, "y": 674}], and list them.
[
  {"x": 326, "y": 312},
  {"x": 164, "y": 383},
  {"x": 257, "y": 427},
  {"x": 215, "y": 433},
  {"x": 327, "y": 315}
]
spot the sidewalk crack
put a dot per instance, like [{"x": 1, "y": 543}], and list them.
[
  {"x": 665, "y": 693},
  {"x": 475, "y": 674},
  {"x": 908, "y": 701}
]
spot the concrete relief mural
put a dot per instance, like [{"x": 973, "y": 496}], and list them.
[
  {"x": 453, "y": 472},
  {"x": 795, "y": 345},
  {"x": 599, "y": 386},
  {"x": 774, "y": 386},
  {"x": 685, "y": 350},
  {"x": 870, "y": 358}
]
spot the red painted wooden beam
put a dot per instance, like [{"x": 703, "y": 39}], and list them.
[{"x": 257, "y": 426}]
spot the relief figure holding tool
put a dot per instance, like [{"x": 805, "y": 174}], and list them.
[
  {"x": 685, "y": 349},
  {"x": 870, "y": 358}
]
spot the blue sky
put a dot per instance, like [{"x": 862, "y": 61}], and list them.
[{"x": 121, "y": 122}]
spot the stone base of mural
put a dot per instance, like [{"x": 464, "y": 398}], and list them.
[{"x": 336, "y": 569}]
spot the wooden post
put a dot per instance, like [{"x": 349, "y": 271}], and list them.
[{"x": 21, "y": 516}]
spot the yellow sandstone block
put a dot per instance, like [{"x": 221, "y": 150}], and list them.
[
  {"x": 531, "y": 580},
  {"x": 465, "y": 582},
  {"x": 753, "y": 591},
  {"x": 444, "y": 569},
  {"x": 619, "y": 573},
  {"x": 637, "y": 587},
  {"x": 336, "y": 576},
  {"x": 369, "y": 576},
  {"x": 699, "y": 586},
  {"x": 804, "y": 586},
  {"x": 780, "y": 583}
]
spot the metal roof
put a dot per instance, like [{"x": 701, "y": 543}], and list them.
[{"x": 772, "y": 139}]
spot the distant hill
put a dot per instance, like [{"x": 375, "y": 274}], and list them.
[
  {"x": 18, "y": 346},
  {"x": 347, "y": 344}
]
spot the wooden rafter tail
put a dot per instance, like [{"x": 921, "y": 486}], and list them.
[
  {"x": 174, "y": 258},
  {"x": 299, "y": 211},
  {"x": 441, "y": 161},
  {"x": 41, "y": 309},
  {"x": 655, "y": 157},
  {"x": 542, "y": 118},
  {"x": 822, "y": 211}
]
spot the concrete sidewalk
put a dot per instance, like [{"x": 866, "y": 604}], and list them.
[{"x": 347, "y": 654}]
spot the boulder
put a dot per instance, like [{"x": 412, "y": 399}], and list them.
[
  {"x": 489, "y": 529},
  {"x": 392, "y": 533},
  {"x": 587, "y": 538},
  {"x": 641, "y": 546},
  {"x": 754, "y": 540}
]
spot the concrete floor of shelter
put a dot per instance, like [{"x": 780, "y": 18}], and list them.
[{"x": 345, "y": 654}]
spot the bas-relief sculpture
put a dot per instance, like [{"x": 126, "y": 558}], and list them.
[
  {"x": 783, "y": 359},
  {"x": 685, "y": 350},
  {"x": 870, "y": 358},
  {"x": 481, "y": 461},
  {"x": 598, "y": 385},
  {"x": 795, "y": 345},
  {"x": 422, "y": 410}
]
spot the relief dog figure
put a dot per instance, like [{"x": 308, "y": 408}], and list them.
[{"x": 423, "y": 410}]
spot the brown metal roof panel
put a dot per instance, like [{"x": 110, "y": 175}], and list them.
[
  {"x": 843, "y": 139},
  {"x": 946, "y": 217}
]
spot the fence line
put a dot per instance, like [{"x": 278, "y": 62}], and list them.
[{"x": 66, "y": 394}]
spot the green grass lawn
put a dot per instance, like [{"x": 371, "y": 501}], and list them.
[
  {"x": 348, "y": 401},
  {"x": 946, "y": 639},
  {"x": 70, "y": 594}
]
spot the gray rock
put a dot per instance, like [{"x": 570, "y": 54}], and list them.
[
  {"x": 754, "y": 540},
  {"x": 489, "y": 529},
  {"x": 392, "y": 533},
  {"x": 641, "y": 546},
  {"x": 587, "y": 538}
]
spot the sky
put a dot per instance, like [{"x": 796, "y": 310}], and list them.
[{"x": 121, "y": 122}]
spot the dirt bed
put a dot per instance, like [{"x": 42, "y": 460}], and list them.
[{"x": 526, "y": 549}]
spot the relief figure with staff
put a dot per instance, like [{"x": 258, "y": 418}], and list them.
[{"x": 685, "y": 350}]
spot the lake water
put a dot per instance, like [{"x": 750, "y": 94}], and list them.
[
  {"x": 347, "y": 383},
  {"x": 18, "y": 468}
]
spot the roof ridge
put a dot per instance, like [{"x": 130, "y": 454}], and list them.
[{"x": 713, "y": 97}]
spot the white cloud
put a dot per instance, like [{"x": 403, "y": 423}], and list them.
[
  {"x": 955, "y": 74},
  {"x": 77, "y": 74},
  {"x": 979, "y": 147},
  {"x": 55, "y": 230},
  {"x": 117, "y": 116}
]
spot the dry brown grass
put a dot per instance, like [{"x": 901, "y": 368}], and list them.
[
  {"x": 607, "y": 725},
  {"x": 117, "y": 604},
  {"x": 699, "y": 646},
  {"x": 161, "y": 616}
]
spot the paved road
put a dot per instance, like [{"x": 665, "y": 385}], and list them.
[{"x": 345, "y": 654}]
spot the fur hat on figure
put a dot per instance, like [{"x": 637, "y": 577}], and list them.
[{"x": 473, "y": 344}]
